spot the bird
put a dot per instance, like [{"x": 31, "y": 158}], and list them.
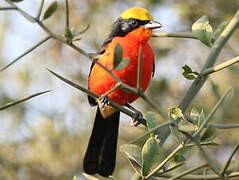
[{"x": 132, "y": 30}]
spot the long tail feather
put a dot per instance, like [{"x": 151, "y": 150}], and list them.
[{"x": 101, "y": 152}]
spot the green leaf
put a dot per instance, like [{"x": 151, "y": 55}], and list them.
[
  {"x": 122, "y": 64},
  {"x": 189, "y": 76},
  {"x": 133, "y": 152},
  {"x": 221, "y": 28},
  {"x": 16, "y": 0},
  {"x": 203, "y": 30},
  {"x": 175, "y": 113},
  {"x": 187, "y": 69},
  {"x": 151, "y": 121},
  {"x": 201, "y": 119},
  {"x": 150, "y": 154},
  {"x": 118, "y": 55},
  {"x": 50, "y": 10},
  {"x": 209, "y": 134},
  {"x": 188, "y": 73},
  {"x": 176, "y": 134}
]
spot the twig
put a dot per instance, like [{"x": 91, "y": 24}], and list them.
[
  {"x": 170, "y": 156},
  {"x": 176, "y": 35},
  {"x": 120, "y": 108},
  {"x": 74, "y": 84},
  {"x": 220, "y": 101},
  {"x": 7, "y": 8},
  {"x": 22, "y": 100},
  {"x": 222, "y": 172},
  {"x": 211, "y": 59},
  {"x": 40, "y": 10},
  {"x": 201, "y": 177},
  {"x": 25, "y": 53},
  {"x": 189, "y": 171},
  {"x": 139, "y": 71},
  {"x": 117, "y": 86},
  {"x": 225, "y": 126},
  {"x": 220, "y": 66},
  {"x": 157, "y": 107},
  {"x": 162, "y": 125},
  {"x": 53, "y": 35},
  {"x": 67, "y": 14},
  {"x": 205, "y": 155}
]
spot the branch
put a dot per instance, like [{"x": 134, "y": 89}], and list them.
[
  {"x": 202, "y": 177},
  {"x": 22, "y": 100},
  {"x": 120, "y": 108},
  {"x": 211, "y": 59},
  {"x": 205, "y": 155},
  {"x": 225, "y": 126},
  {"x": 220, "y": 66},
  {"x": 139, "y": 71},
  {"x": 189, "y": 171},
  {"x": 53, "y": 35},
  {"x": 67, "y": 14},
  {"x": 229, "y": 160},
  {"x": 170, "y": 156},
  {"x": 7, "y": 8},
  {"x": 40, "y": 10},
  {"x": 25, "y": 53},
  {"x": 205, "y": 123},
  {"x": 175, "y": 35},
  {"x": 160, "y": 126}
]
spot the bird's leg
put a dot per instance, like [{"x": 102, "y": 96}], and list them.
[
  {"x": 103, "y": 102},
  {"x": 138, "y": 115}
]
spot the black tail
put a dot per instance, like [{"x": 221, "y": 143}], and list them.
[{"x": 101, "y": 151}]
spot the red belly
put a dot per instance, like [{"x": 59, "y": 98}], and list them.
[{"x": 100, "y": 81}]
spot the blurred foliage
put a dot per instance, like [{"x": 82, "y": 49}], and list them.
[{"x": 45, "y": 138}]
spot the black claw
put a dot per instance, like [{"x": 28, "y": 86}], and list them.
[
  {"x": 138, "y": 118},
  {"x": 104, "y": 101}
]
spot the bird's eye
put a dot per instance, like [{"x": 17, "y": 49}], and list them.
[{"x": 133, "y": 22}]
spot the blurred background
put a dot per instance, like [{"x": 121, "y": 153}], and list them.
[{"x": 46, "y": 137}]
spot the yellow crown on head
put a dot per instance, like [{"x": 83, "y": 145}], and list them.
[{"x": 137, "y": 13}]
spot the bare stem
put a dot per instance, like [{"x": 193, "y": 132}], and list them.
[
  {"x": 40, "y": 10},
  {"x": 67, "y": 14},
  {"x": 139, "y": 72},
  {"x": 25, "y": 53},
  {"x": 209, "y": 117},
  {"x": 210, "y": 162},
  {"x": 189, "y": 171},
  {"x": 170, "y": 156},
  {"x": 229, "y": 160},
  {"x": 220, "y": 66},
  {"x": 120, "y": 108},
  {"x": 175, "y": 35},
  {"x": 22, "y": 100},
  {"x": 7, "y": 8}
]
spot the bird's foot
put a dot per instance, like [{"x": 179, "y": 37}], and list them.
[
  {"x": 138, "y": 117},
  {"x": 104, "y": 101}
]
